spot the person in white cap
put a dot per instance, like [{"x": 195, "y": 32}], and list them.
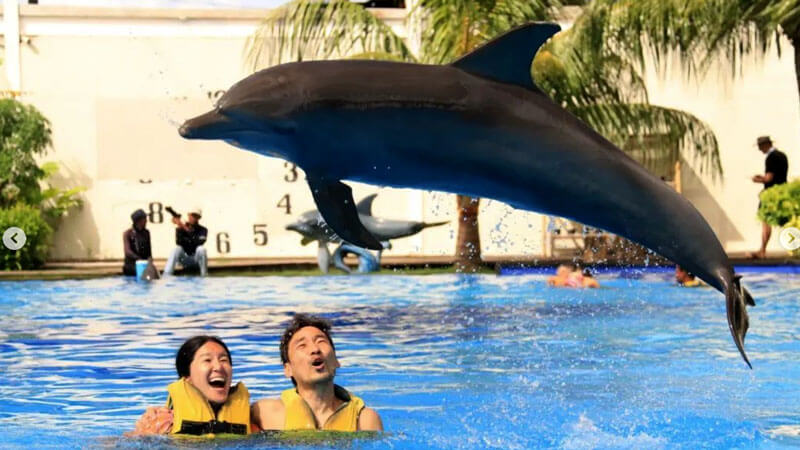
[{"x": 190, "y": 237}]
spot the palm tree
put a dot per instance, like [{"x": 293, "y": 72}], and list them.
[
  {"x": 699, "y": 31},
  {"x": 577, "y": 70}
]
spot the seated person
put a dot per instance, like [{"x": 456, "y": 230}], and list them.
[
  {"x": 202, "y": 401},
  {"x": 686, "y": 279},
  {"x": 315, "y": 403},
  {"x": 190, "y": 237},
  {"x": 136, "y": 242},
  {"x": 562, "y": 275}
]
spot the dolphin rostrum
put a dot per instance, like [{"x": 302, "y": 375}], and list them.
[
  {"x": 478, "y": 127},
  {"x": 311, "y": 225}
]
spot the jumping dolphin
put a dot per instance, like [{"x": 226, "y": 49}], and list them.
[
  {"x": 479, "y": 127},
  {"x": 311, "y": 225}
]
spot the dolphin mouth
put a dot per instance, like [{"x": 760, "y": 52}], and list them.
[{"x": 211, "y": 125}]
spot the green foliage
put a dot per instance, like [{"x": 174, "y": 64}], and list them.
[
  {"x": 24, "y": 134},
  {"x": 38, "y": 232},
  {"x": 308, "y": 29},
  {"x": 582, "y": 70},
  {"x": 26, "y": 200},
  {"x": 780, "y": 204}
]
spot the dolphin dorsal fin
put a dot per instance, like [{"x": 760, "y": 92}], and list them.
[
  {"x": 365, "y": 205},
  {"x": 508, "y": 58}
]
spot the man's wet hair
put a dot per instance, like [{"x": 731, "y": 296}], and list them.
[
  {"x": 187, "y": 351},
  {"x": 301, "y": 321}
]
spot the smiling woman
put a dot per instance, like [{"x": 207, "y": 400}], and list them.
[{"x": 202, "y": 401}]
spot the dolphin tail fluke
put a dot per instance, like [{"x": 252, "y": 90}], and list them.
[{"x": 736, "y": 300}]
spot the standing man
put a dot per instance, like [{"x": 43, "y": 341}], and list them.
[
  {"x": 190, "y": 237},
  {"x": 776, "y": 167},
  {"x": 315, "y": 402},
  {"x": 136, "y": 242}
]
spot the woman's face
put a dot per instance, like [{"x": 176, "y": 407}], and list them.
[{"x": 211, "y": 371}]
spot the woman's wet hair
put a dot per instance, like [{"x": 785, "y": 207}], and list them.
[{"x": 186, "y": 353}]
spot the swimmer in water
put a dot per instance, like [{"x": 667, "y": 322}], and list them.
[{"x": 202, "y": 401}]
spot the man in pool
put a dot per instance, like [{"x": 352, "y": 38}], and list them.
[{"x": 315, "y": 403}]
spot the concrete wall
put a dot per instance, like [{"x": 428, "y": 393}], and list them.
[{"x": 116, "y": 83}]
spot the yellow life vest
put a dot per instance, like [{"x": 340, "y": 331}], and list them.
[
  {"x": 692, "y": 283},
  {"x": 192, "y": 414},
  {"x": 300, "y": 417}
]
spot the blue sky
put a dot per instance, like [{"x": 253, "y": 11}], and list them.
[{"x": 227, "y": 4}]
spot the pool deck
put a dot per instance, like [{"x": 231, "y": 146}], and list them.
[{"x": 258, "y": 266}]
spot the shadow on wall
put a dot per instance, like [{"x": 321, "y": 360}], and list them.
[
  {"x": 694, "y": 190},
  {"x": 76, "y": 235}
]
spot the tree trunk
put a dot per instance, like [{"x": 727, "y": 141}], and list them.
[
  {"x": 794, "y": 38},
  {"x": 468, "y": 242}
]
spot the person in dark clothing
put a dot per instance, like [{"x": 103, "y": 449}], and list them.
[
  {"x": 776, "y": 167},
  {"x": 190, "y": 237},
  {"x": 136, "y": 241}
]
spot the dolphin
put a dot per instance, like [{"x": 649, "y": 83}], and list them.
[
  {"x": 478, "y": 126},
  {"x": 311, "y": 225}
]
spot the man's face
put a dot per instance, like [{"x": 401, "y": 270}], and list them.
[
  {"x": 681, "y": 276},
  {"x": 765, "y": 146},
  {"x": 211, "y": 371},
  {"x": 193, "y": 219},
  {"x": 312, "y": 359},
  {"x": 140, "y": 223}
]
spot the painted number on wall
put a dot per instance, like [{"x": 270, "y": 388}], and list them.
[
  {"x": 156, "y": 212},
  {"x": 260, "y": 234},
  {"x": 286, "y": 204},
  {"x": 223, "y": 244},
  {"x": 291, "y": 176}
]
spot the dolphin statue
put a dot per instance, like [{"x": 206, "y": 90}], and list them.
[
  {"x": 478, "y": 126},
  {"x": 311, "y": 225}
]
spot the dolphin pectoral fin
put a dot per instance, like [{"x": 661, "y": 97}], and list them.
[
  {"x": 434, "y": 224},
  {"x": 738, "y": 321},
  {"x": 335, "y": 203},
  {"x": 364, "y": 207},
  {"x": 508, "y": 58}
]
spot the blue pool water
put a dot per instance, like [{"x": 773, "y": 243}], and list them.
[{"x": 448, "y": 361}]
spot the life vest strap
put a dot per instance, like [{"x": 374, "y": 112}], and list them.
[{"x": 211, "y": 427}]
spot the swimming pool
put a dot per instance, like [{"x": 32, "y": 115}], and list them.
[{"x": 449, "y": 361}]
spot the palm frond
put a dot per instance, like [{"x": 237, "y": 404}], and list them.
[
  {"x": 698, "y": 31},
  {"x": 452, "y": 28},
  {"x": 309, "y": 29}
]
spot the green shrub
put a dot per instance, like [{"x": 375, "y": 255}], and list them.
[
  {"x": 780, "y": 204},
  {"x": 33, "y": 254}
]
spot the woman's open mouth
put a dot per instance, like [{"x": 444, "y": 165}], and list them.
[{"x": 217, "y": 382}]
